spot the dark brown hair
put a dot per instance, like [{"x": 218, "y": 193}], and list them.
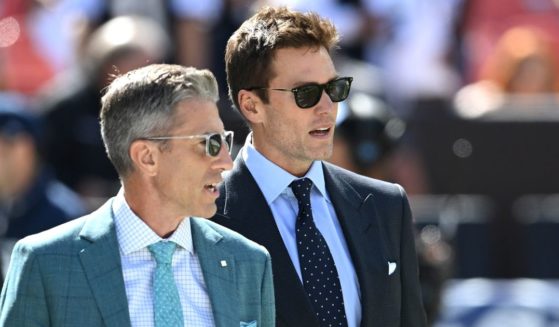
[{"x": 251, "y": 49}]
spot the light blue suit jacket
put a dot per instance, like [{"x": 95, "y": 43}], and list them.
[{"x": 71, "y": 275}]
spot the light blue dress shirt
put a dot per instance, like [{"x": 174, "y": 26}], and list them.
[{"x": 283, "y": 204}]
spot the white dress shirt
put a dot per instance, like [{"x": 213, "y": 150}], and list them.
[
  {"x": 138, "y": 267},
  {"x": 284, "y": 207}
]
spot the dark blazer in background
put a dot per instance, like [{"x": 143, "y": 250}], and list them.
[{"x": 376, "y": 221}]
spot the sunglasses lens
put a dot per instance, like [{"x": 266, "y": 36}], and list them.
[
  {"x": 307, "y": 96},
  {"x": 338, "y": 90},
  {"x": 213, "y": 145}
]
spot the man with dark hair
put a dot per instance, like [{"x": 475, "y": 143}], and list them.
[
  {"x": 342, "y": 245},
  {"x": 142, "y": 259}
]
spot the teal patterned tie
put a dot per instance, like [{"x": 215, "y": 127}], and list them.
[{"x": 166, "y": 302}]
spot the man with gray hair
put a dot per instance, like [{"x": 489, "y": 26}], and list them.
[{"x": 142, "y": 259}]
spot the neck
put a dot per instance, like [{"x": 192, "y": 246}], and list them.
[
  {"x": 151, "y": 209},
  {"x": 292, "y": 165}
]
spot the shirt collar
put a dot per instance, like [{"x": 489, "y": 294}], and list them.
[
  {"x": 134, "y": 234},
  {"x": 261, "y": 168}
]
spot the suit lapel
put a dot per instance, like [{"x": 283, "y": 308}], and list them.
[
  {"x": 253, "y": 218},
  {"x": 218, "y": 267},
  {"x": 102, "y": 266},
  {"x": 364, "y": 236}
]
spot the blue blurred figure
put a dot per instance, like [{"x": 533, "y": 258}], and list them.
[{"x": 31, "y": 200}]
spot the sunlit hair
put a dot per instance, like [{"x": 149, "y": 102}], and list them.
[
  {"x": 142, "y": 102},
  {"x": 251, "y": 49}
]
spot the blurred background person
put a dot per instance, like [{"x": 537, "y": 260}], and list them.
[
  {"x": 413, "y": 42},
  {"x": 71, "y": 105},
  {"x": 348, "y": 16},
  {"x": 370, "y": 138},
  {"x": 521, "y": 69},
  {"x": 483, "y": 22},
  {"x": 43, "y": 38},
  {"x": 39, "y": 40},
  {"x": 31, "y": 199},
  {"x": 198, "y": 31},
  {"x": 363, "y": 142}
]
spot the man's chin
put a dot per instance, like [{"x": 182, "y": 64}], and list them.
[
  {"x": 208, "y": 212},
  {"x": 323, "y": 154}
]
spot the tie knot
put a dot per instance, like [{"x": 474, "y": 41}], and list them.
[
  {"x": 163, "y": 251},
  {"x": 302, "y": 189}
]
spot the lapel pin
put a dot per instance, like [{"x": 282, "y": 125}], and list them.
[{"x": 223, "y": 263}]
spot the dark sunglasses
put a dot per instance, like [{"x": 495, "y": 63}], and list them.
[
  {"x": 214, "y": 141},
  {"x": 308, "y": 95}
]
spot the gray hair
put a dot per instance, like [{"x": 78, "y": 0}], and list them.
[{"x": 142, "y": 103}]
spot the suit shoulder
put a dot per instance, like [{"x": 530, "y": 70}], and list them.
[
  {"x": 53, "y": 239},
  {"x": 364, "y": 184},
  {"x": 235, "y": 241}
]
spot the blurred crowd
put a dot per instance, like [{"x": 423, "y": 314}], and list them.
[{"x": 411, "y": 60}]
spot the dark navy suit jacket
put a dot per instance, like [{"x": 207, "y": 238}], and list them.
[{"x": 377, "y": 225}]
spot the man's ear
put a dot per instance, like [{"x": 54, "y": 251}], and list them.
[
  {"x": 250, "y": 106},
  {"x": 145, "y": 155}
]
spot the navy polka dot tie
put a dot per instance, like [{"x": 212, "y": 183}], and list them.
[{"x": 320, "y": 276}]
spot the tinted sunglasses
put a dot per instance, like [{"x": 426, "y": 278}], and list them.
[
  {"x": 308, "y": 95},
  {"x": 214, "y": 141}
]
